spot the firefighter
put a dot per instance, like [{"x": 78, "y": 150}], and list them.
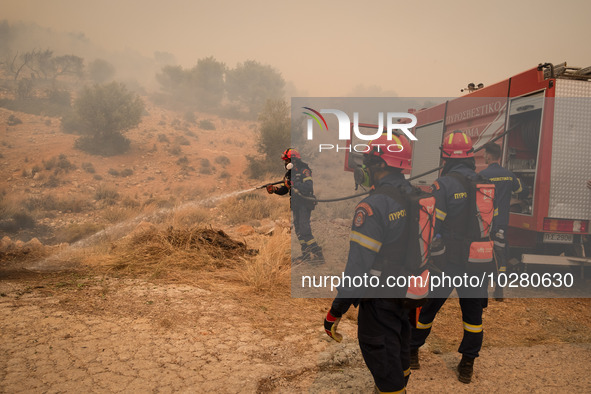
[
  {"x": 299, "y": 177},
  {"x": 451, "y": 212},
  {"x": 505, "y": 183},
  {"x": 378, "y": 223}
]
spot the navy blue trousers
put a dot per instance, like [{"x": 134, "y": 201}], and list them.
[{"x": 384, "y": 339}]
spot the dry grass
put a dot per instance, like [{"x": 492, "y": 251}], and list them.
[
  {"x": 115, "y": 215},
  {"x": 9, "y": 205},
  {"x": 76, "y": 231},
  {"x": 190, "y": 216},
  {"x": 158, "y": 253},
  {"x": 270, "y": 270},
  {"x": 254, "y": 206}
]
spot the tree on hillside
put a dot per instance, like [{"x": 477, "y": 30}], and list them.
[
  {"x": 208, "y": 82},
  {"x": 173, "y": 78},
  {"x": 104, "y": 112},
  {"x": 274, "y": 137},
  {"x": 201, "y": 86},
  {"x": 100, "y": 70},
  {"x": 251, "y": 84},
  {"x": 44, "y": 65}
]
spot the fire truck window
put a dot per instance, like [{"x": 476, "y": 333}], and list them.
[{"x": 525, "y": 115}]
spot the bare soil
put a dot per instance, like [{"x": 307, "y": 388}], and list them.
[{"x": 91, "y": 331}]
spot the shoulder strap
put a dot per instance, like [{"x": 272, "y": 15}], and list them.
[
  {"x": 464, "y": 181},
  {"x": 393, "y": 192}
]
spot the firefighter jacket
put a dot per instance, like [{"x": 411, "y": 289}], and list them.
[
  {"x": 299, "y": 178},
  {"x": 378, "y": 220},
  {"x": 452, "y": 213},
  {"x": 451, "y": 201},
  {"x": 505, "y": 184}
]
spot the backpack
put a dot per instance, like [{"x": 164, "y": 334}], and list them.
[
  {"x": 480, "y": 213},
  {"x": 409, "y": 255}
]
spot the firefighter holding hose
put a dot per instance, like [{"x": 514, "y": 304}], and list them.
[{"x": 299, "y": 178}]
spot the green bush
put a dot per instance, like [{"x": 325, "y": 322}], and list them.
[
  {"x": 105, "y": 112},
  {"x": 190, "y": 117},
  {"x": 88, "y": 167},
  {"x": 107, "y": 146},
  {"x": 181, "y": 140},
  {"x": 52, "y": 181},
  {"x": 222, "y": 160},
  {"x": 274, "y": 137},
  {"x": 126, "y": 172},
  {"x": 13, "y": 120},
  {"x": 206, "y": 124}
]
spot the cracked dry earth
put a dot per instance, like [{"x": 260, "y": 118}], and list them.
[
  {"x": 72, "y": 334},
  {"x": 69, "y": 333}
]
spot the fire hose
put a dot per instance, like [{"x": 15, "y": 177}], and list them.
[{"x": 317, "y": 200}]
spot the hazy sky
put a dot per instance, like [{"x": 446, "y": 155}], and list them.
[{"x": 326, "y": 48}]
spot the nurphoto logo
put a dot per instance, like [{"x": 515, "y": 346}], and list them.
[{"x": 392, "y": 121}]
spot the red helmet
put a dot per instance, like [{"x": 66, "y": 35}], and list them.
[
  {"x": 289, "y": 154},
  {"x": 396, "y": 152},
  {"x": 457, "y": 145}
]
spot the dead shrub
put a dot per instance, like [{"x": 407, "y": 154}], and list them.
[
  {"x": 40, "y": 203},
  {"x": 106, "y": 194},
  {"x": 159, "y": 252}
]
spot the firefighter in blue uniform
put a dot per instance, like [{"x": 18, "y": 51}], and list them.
[
  {"x": 379, "y": 221},
  {"x": 505, "y": 183},
  {"x": 451, "y": 213},
  {"x": 299, "y": 178}
]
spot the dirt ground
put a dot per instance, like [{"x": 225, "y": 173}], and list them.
[{"x": 79, "y": 331}]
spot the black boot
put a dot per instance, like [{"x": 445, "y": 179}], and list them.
[
  {"x": 414, "y": 359},
  {"x": 318, "y": 256},
  {"x": 465, "y": 369},
  {"x": 304, "y": 258},
  {"x": 498, "y": 294}
]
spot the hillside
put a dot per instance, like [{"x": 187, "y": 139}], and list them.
[{"x": 61, "y": 194}]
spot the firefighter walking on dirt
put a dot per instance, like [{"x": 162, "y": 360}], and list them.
[
  {"x": 299, "y": 178},
  {"x": 505, "y": 183},
  {"x": 378, "y": 241},
  {"x": 452, "y": 193}
]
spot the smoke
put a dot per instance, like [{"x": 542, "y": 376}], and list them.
[{"x": 131, "y": 67}]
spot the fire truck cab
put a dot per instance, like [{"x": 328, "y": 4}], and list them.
[{"x": 541, "y": 118}]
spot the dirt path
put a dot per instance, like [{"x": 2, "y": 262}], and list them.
[{"x": 69, "y": 333}]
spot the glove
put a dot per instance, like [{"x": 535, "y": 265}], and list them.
[
  {"x": 437, "y": 247},
  {"x": 437, "y": 260},
  {"x": 271, "y": 189},
  {"x": 330, "y": 326},
  {"x": 288, "y": 183}
]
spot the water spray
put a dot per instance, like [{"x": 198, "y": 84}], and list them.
[{"x": 121, "y": 229}]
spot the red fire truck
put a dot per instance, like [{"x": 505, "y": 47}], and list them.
[{"x": 543, "y": 116}]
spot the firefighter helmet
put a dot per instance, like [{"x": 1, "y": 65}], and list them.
[
  {"x": 289, "y": 154},
  {"x": 457, "y": 145},
  {"x": 396, "y": 152}
]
